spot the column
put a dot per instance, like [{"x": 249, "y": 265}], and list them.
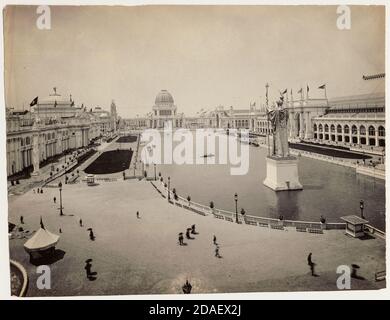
[
  {"x": 308, "y": 127},
  {"x": 376, "y": 137},
  {"x": 367, "y": 139},
  {"x": 292, "y": 125},
  {"x": 301, "y": 126},
  {"x": 35, "y": 153},
  {"x": 350, "y": 134},
  {"x": 358, "y": 135}
]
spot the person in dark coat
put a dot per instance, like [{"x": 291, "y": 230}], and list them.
[
  {"x": 217, "y": 252},
  {"x": 54, "y": 199},
  {"x": 311, "y": 264},
  {"x": 181, "y": 238},
  {"x": 21, "y": 220},
  {"x": 81, "y": 222},
  {"x": 215, "y": 240}
]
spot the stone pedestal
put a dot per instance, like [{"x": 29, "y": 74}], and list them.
[{"x": 282, "y": 174}]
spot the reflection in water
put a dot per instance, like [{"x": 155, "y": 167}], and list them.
[
  {"x": 287, "y": 205},
  {"x": 329, "y": 190}
]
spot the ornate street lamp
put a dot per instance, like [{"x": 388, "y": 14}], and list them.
[
  {"x": 361, "y": 208},
  {"x": 236, "y": 199},
  {"x": 60, "y": 188}
]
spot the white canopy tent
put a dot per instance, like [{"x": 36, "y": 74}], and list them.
[{"x": 41, "y": 241}]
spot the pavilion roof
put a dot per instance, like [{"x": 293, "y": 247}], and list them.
[{"x": 41, "y": 240}]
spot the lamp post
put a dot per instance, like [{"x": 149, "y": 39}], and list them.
[
  {"x": 169, "y": 185},
  {"x": 155, "y": 176},
  {"x": 361, "y": 208},
  {"x": 60, "y": 188},
  {"x": 236, "y": 199}
]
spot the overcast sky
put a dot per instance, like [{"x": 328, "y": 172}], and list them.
[{"x": 204, "y": 56}]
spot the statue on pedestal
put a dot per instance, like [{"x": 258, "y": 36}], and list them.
[
  {"x": 279, "y": 120},
  {"x": 282, "y": 168}
]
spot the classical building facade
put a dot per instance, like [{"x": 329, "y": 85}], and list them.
[
  {"x": 352, "y": 121},
  {"x": 355, "y": 121},
  {"x": 53, "y": 127}
]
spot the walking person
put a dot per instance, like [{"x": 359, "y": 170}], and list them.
[
  {"x": 55, "y": 199},
  {"x": 215, "y": 240},
  {"x": 81, "y": 222},
  {"x": 91, "y": 235},
  {"x": 193, "y": 229},
  {"x": 181, "y": 238},
  {"x": 21, "y": 220},
  {"x": 137, "y": 214},
  {"x": 217, "y": 252},
  {"x": 311, "y": 264}
]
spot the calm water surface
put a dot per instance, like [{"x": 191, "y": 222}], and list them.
[{"x": 329, "y": 190}]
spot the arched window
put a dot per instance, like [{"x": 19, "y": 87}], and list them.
[
  {"x": 320, "y": 128},
  {"x": 354, "y": 129},
  {"x": 326, "y": 128},
  {"x": 371, "y": 131},
  {"x": 339, "y": 129},
  {"x": 381, "y": 131},
  {"x": 27, "y": 140},
  {"x": 362, "y": 130},
  {"x": 346, "y": 129},
  {"x": 332, "y": 128},
  {"x": 315, "y": 127}
]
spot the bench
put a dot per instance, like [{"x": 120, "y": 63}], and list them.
[
  {"x": 314, "y": 230},
  {"x": 252, "y": 223},
  {"x": 263, "y": 224},
  {"x": 277, "y": 227},
  {"x": 380, "y": 275}
]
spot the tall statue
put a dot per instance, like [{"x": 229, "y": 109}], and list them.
[{"x": 279, "y": 119}]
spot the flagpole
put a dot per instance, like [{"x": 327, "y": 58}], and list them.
[{"x": 326, "y": 97}]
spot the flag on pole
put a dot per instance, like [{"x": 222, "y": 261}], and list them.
[
  {"x": 34, "y": 102},
  {"x": 284, "y": 92},
  {"x": 307, "y": 88},
  {"x": 322, "y": 87}
]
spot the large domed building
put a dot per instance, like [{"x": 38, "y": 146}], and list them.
[{"x": 165, "y": 111}]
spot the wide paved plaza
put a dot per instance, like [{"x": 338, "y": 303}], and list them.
[{"x": 142, "y": 256}]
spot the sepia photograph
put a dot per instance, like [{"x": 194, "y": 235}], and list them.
[{"x": 194, "y": 149}]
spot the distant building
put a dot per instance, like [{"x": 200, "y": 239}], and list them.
[
  {"x": 357, "y": 122},
  {"x": 53, "y": 127}
]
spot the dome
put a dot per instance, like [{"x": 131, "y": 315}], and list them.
[
  {"x": 163, "y": 97},
  {"x": 55, "y": 98}
]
